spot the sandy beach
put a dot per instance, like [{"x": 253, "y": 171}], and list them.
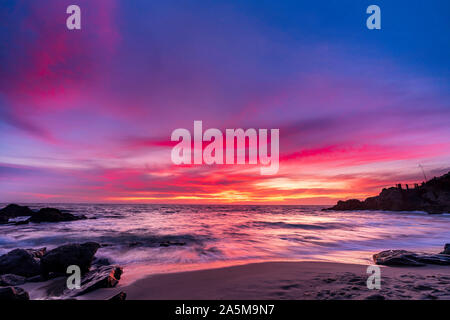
[{"x": 288, "y": 280}]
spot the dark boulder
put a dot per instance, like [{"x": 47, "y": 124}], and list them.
[
  {"x": 14, "y": 211},
  {"x": 446, "y": 249},
  {"x": 53, "y": 215},
  {"x": 101, "y": 277},
  {"x": 22, "y": 262},
  {"x": 407, "y": 258},
  {"x": 57, "y": 260},
  {"x": 13, "y": 293},
  {"x": 11, "y": 280}
]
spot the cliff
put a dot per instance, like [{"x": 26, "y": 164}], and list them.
[{"x": 432, "y": 196}]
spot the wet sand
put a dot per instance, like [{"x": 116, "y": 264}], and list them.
[{"x": 288, "y": 280}]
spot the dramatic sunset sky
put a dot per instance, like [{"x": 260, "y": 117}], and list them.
[{"x": 86, "y": 116}]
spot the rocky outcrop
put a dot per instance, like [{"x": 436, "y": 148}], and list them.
[
  {"x": 101, "y": 277},
  {"x": 408, "y": 258},
  {"x": 14, "y": 211},
  {"x": 53, "y": 215},
  {"x": 13, "y": 293},
  {"x": 22, "y": 262},
  {"x": 432, "y": 197},
  {"x": 57, "y": 260}
]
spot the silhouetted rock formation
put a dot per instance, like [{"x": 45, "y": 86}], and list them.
[
  {"x": 53, "y": 215},
  {"x": 432, "y": 197}
]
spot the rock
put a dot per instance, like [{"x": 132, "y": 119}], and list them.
[
  {"x": 53, "y": 215},
  {"x": 11, "y": 280},
  {"x": 396, "y": 258},
  {"x": 101, "y": 277},
  {"x": 119, "y": 297},
  {"x": 14, "y": 211},
  {"x": 446, "y": 249},
  {"x": 57, "y": 260},
  {"x": 13, "y": 293},
  {"x": 376, "y": 297},
  {"x": 407, "y": 258},
  {"x": 22, "y": 262},
  {"x": 432, "y": 197}
]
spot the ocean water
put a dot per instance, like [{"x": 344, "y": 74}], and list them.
[{"x": 214, "y": 235}]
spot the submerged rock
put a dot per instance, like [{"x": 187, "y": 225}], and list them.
[
  {"x": 22, "y": 262},
  {"x": 13, "y": 293},
  {"x": 53, "y": 215},
  {"x": 14, "y": 211},
  {"x": 432, "y": 197},
  {"x": 407, "y": 258},
  {"x": 57, "y": 260}
]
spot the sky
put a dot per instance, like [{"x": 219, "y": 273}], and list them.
[{"x": 86, "y": 115}]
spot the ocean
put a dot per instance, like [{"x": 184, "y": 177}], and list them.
[{"x": 168, "y": 238}]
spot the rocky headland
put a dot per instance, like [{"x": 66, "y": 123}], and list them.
[{"x": 432, "y": 196}]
